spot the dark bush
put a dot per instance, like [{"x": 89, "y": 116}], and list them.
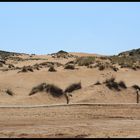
[
  {"x": 122, "y": 84},
  {"x": 115, "y": 68},
  {"x": 73, "y": 87},
  {"x": 136, "y": 87},
  {"x": 30, "y": 69},
  {"x": 54, "y": 90},
  {"x": 41, "y": 87},
  {"x": 50, "y": 88},
  {"x": 52, "y": 69},
  {"x": 26, "y": 69},
  {"x": 101, "y": 67},
  {"x": 70, "y": 62},
  {"x": 111, "y": 84},
  {"x": 11, "y": 66}
]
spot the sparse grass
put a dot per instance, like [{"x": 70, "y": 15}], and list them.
[
  {"x": 85, "y": 61},
  {"x": 125, "y": 61},
  {"x": 72, "y": 67},
  {"x": 9, "y": 92},
  {"x": 27, "y": 59},
  {"x": 73, "y": 87}
]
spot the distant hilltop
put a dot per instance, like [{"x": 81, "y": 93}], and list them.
[
  {"x": 4, "y": 54},
  {"x": 133, "y": 52},
  {"x": 60, "y": 52}
]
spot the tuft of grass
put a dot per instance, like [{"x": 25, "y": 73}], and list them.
[
  {"x": 9, "y": 92},
  {"x": 73, "y": 87}
]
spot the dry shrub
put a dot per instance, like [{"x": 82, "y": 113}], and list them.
[
  {"x": 89, "y": 66},
  {"x": 26, "y": 69},
  {"x": 36, "y": 66},
  {"x": 70, "y": 62},
  {"x": 136, "y": 87},
  {"x": 101, "y": 67},
  {"x": 73, "y": 87},
  {"x": 115, "y": 68},
  {"x": 48, "y": 64},
  {"x": 1, "y": 65},
  {"x": 54, "y": 90},
  {"x": 72, "y": 67},
  {"x": 11, "y": 66},
  {"x": 112, "y": 84},
  {"x": 97, "y": 83},
  {"x": 50, "y": 88},
  {"x": 52, "y": 69},
  {"x": 2, "y": 61},
  {"x": 41, "y": 87},
  {"x": 122, "y": 84},
  {"x": 9, "y": 92}
]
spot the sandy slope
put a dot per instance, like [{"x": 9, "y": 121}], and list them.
[{"x": 68, "y": 121}]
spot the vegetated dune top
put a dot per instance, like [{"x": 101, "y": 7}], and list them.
[{"x": 85, "y": 54}]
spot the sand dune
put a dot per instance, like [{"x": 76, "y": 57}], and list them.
[{"x": 67, "y": 121}]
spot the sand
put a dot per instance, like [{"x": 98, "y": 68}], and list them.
[{"x": 94, "y": 110}]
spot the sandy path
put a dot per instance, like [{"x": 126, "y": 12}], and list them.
[{"x": 89, "y": 120}]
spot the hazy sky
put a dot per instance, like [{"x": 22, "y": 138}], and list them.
[{"x": 46, "y": 27}]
